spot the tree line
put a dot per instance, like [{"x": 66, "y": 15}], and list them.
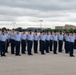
[{"x": 40, "y": 29}]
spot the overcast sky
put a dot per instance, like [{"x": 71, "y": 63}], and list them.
[{"x": 27, "y": 13}]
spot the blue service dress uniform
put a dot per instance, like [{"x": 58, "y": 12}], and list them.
[
  {"x": 36, "y": 38},
  {"x": 3, "y": 44},
  {"x": 0, "y": 41},
  {"x": 64, "y": 35},
  {"x": 7, "y": 41},
  {"x": 23, "y": 42},
  {"x": 75, "y": 42},
  {"x": 40, "y": 41},
  {"x": 30, "y": 43},
  {"x": 47, "y": 43},
  {"x": 72, "y": 40},
  {"x": 60, "y": 38},
  {"x": 12, "y": 41},
  {"x": 55, "y": 39},
  {"x": 17, "y": 43},
  {"x": 51, "y": 42},
  {"x": 67, "y": 46},
  {"x": 43, "y": 38}
]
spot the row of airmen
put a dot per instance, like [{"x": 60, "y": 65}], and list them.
[{"x": 47, "y": 42}]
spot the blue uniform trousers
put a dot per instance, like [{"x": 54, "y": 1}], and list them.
[
  {"x": 47, "y": 46},
  {"x": 55, "y": 47},
  {"x": 60, "y": 45},
  {"x": 3, "y": 44},
  {"x": 71, "y": 48},
  {"x": 17, "y": 44},
  {"x": 23, "y": 44},
  {"x": 42, "y": 46},
  {"x": 12, "y": 46},
  {"x": 51, "y": 43},
  {"x": 29, "y": 47},
  {"x": 35, "y": 46}
]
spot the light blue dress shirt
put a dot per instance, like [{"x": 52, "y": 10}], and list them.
[
  {"x": 7, "y": 36},
  {"x": 40, "y": 36},
  {"x": 51, "y": 37},
  {"x": 0, "y": 37},
  {"x": 60, "y": 37},
  {"x": 30, "y": 37},
  {"x": 12, "y": 35},
  {"x": 0, "y": 32},
  {"x": 23, "y": 36},
  {"x": 67, "y": 38},
  {"x": 36, "y": 37},
  {"x": 72, "y": 39},
  {"x": 48, "y": 37},
  {"x": 3, "y": 38},
  {"x": 43, "y": 37},
  {"x": 55, "y": 37},
  {"x": 17, "y": 37}
]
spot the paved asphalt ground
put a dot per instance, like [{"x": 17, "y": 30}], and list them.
[{"x": 49, "y": 64}]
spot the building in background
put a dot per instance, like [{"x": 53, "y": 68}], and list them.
[{"x": 67, "y": 26}]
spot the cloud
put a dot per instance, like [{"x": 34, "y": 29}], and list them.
[
  {"x": 44, "y": 5},
  {"x": 31, "y": 11},
  {"x": 7, "y": 18}
]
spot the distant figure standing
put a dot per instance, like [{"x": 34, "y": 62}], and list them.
[
  {"x": 30, "y": 42},
  {"x": 12, "y": 40},
  {"x": 23, "y": 42},
  {"x": 67, "y": 42},
  {"x": 3, "y": 44},
  {"x": 55, "y": 39},
  {"x": 7, "y": 40},
  {"x": 17, "y": 43},
  {"x": 72, "y": 40},
  {"x": 51, "y": 41},
  {"x": 60, "y": 38},
  {"x": 40, "y": 37},
  {"x": 36, "y": 38},
  {"x": 0, "y": 40},
  {"x": 47, "y": 42},
  {"x": 75, "y": 41},
  {"x": 43, "y": 38}
]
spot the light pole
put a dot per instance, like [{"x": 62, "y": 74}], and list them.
[
  {"x": 40, "y": 23},
  {"x": 13, "y": 23}
]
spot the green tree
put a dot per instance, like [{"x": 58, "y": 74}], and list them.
[{"x": 19, "y": 29}]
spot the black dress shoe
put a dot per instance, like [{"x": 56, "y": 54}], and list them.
[
  {"x": 66, "y": 52},
  {"x": 47, "y": 52},
  {"x": 30, "y": 54},
  {"x": 55, "y": 53},
  {"x": 18, "y": 55},
  {"x": 1, "y": 55},
  {"x": 72, "y": 56},
  {"x": 4, "y": 55},
  {"x": 12, "y": 53},
  {"x": 6, "y": 52},
  {"x": 23, "y": 53},
  {"x": 42, "y": 53},
  {"x": 36, "y": 52}
]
